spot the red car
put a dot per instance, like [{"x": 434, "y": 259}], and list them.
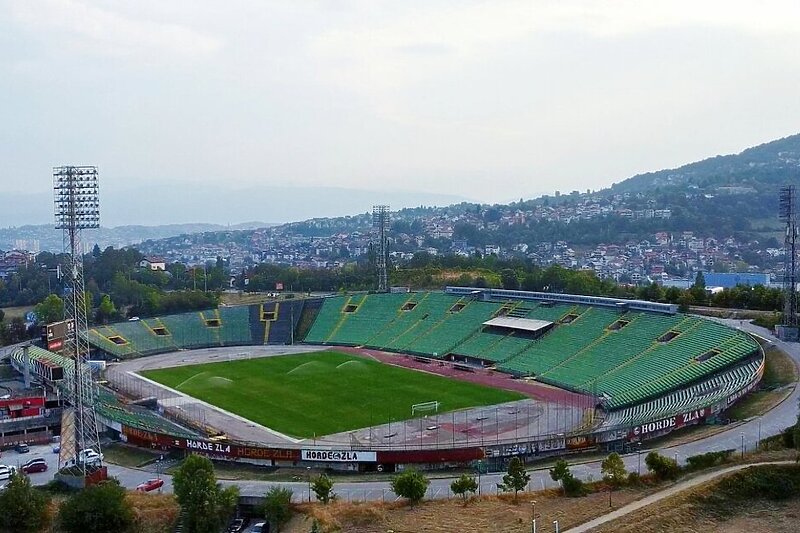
[
  {"x": 150, "y": 484},
  {"x": 34, "y": 465}
]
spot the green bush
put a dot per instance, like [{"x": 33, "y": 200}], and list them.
[
  {"x": 769, "y": 482},
  {"x": 662, "y": 467},
  {"x": 98, "y": 508},
  {"x": 278, "y": 507},
  {"x": 767, "y": 321},
  {"x": 634, "y": 478},
  {"x": 709, "y": 459},
  {"x": 411, "y": 485},
  {"x": 573, "y": 487}
]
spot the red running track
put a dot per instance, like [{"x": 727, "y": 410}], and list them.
[{"x": 490, "y": 378}]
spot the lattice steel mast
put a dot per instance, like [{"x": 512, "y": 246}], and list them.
[
  {"x": 77, "y": 207},
  {"x": 380, "y": 222},
  {"x": 788, "y": 214}
]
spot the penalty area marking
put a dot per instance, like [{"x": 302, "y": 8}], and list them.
[{"x": 216, "y": 408}]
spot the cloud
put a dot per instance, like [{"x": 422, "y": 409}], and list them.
[{"x": 94, "y": 30}]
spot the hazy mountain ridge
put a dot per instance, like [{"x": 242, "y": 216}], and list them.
[{"x": 50, "y": 239}]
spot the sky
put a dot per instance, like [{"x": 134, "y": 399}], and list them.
[{"x": 489, "y": 101}]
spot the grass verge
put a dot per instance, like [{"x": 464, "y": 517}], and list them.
[
  {"x": 129, "y": 456},
  {"x": 779, "y": 371}
]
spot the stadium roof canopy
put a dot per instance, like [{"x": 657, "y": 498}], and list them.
[{"x": 524, "y": 324}]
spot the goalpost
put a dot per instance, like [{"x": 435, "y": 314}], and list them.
[{"x": 425, "y": 407}]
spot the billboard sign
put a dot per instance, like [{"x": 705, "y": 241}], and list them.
[
  {"x": 668, "y": 424},
  {"x": 338, "y": 456}
]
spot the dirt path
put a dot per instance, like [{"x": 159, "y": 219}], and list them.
[{"x": 653, "y": 498}]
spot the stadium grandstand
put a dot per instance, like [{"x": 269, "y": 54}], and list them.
[
  {"x": 267, "y": 323},
  {"x": 54, "y": 369},
  {"x": 625, "y": 353}
]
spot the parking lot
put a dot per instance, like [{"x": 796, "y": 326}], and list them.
[{"x": 129, "y": 478}]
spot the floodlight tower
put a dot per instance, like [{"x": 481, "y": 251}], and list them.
[
  {"x": 77, "y": 207},
  {"x": 788, "y": 214},
  {"x": 380, "y": 222}
]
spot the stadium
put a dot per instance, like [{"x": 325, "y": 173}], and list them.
[{"x": 381, "y": 381}]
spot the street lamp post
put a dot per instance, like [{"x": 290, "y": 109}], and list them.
[
  {"x": 742, "y": 445},
  {"x": 639, "y": 457},
  {"x": 759, "y": 434},
  {"x": 308, "y": 478},
  {"x": 533, "y": 516}
]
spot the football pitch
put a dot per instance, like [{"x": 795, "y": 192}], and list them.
[{"x": 322, "y": 392}]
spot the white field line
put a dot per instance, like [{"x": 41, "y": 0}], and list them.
[{"x": 218, "y": 409}]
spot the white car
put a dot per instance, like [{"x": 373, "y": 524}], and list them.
[
  {"x": 6, "y": 472},
  {"x": 89, "y": 457}
]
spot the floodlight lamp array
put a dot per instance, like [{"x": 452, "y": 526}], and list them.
[
  {"x": 787, "y": 201},
  {"x": 77, "y": 198}
]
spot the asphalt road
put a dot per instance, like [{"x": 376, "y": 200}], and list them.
[{"x": 747, "y": 434}]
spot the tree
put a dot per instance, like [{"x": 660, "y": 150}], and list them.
[
  {"x": 571, "y": 485},
  {"x": 51, "y": 309},
  {"x": 662, "y": 467},
  {"x": 100, "y": 508},
  {"x": 699, "y": 281},
  {"x": 323, "y": 488},
  {"x": 411, "y": 485},
  {"x": 278, "y": 507},
  {"x": 227, "y": 501},
  {"x": 560, "y": 470},
  {"x": 613, "y": 469},
  {"x": 22, "y": 508},
  {"x": 464, "y": 485},
  {"x": 107, "y": 310},
  {"x": 206, "y": 506},
  {"x": 517, "y": 477},
  {"x": 509, "y": 280}
]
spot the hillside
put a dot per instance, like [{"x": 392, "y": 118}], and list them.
[
  {"x": 761, "y": 167},
  {"x": 731, "y": 198}
]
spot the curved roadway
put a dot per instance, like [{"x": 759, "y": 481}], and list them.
[{"x": 748, "y": 433}]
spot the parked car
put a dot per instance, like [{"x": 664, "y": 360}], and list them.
[
  {"x": 6, "y": 471},
  {"x": 237, "y": 526},
  {"x": 35, "y": 465},
  {"x": 22, "y": 448},
  {"x": 150, "y": 484},
  {"x": 89, "y": 457},
  {"x": 261, "y": 527}
]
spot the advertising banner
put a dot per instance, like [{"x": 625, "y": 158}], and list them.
[{"x": 338, "y": 456}]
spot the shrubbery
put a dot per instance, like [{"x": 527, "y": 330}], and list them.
[
  {"x": 709, "y": 459},
  {"x": 411, "y": 485},
  {"x": 572, "y": 486},
  {"x": 662, "y": 467},
  {"x": 771, "y": 482}
]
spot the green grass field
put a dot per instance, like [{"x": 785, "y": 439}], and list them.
[{"x": 322, "y": 392}]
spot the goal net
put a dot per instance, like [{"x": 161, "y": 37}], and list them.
[{"x": 425, "y": 407}]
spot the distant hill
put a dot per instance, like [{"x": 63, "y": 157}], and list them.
[
  {"x": 50, "y": 239},
  {"x": 763, "y": 168}
]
